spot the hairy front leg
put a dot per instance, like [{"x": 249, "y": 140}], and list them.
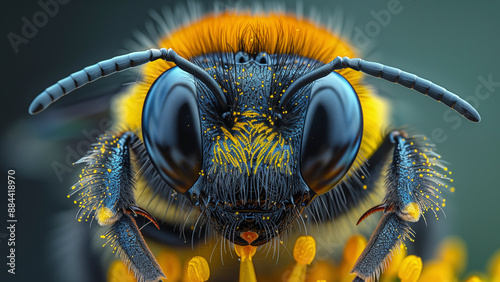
[
  {"x": 105, "y": 193},
  {"x": 411, "y": 187}
]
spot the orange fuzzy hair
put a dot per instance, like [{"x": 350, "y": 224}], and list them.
[{"x": 274, "y": 33}]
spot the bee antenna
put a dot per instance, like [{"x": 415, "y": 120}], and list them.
[
  {"x": 391, "y": 74},
  {"x": 117, "y": 64}
]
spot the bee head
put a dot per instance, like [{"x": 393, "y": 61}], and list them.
[{"x": 252, "y": 164}]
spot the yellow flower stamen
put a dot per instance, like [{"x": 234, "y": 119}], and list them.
[
  {"x": 494, "y": 267},
  {"x": 303, "y": 253},
  {"x": 247, "y": 271},
  {"x": 410, "y": 269},
  {"x": 119, "y": 272},
  {"x": 392, "y": 270},
  {"x": 170, "y": 264},
  {"x": 304, "y": 250},
  {"x": 322, "y": 270},
  {"x": 198, "y": 270},
  {"x": 453, "y": 252},
  {"x": 437, "y": 271},
  {"x": 474, "y": 279},
  {"x": 353, "y": 248}
]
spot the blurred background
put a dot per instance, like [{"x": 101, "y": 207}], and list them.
[{"x": 452, "y": 43}]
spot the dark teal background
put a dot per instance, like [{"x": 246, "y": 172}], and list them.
[{"x": 452, "y": 43}]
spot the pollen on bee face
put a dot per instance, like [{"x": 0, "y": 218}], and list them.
[{"x": 250, "y": 144}]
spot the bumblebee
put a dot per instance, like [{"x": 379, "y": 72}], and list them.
[{"x": 251, "y": 121}]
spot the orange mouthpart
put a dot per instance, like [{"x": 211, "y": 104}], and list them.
[{"x": 249, "y": 236}]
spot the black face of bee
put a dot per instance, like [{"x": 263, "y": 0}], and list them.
[{"x": 254, "y": 165}]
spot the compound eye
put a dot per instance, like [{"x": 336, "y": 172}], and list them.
[
  {"x": 332, "y": 132},
  {"x": 171, "y": 129}
]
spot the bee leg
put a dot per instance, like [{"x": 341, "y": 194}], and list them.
[
  {"x": 410, "y": 183},
  {"x": 124, "y": 234},
  {"x": 105, "y": 193}
]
